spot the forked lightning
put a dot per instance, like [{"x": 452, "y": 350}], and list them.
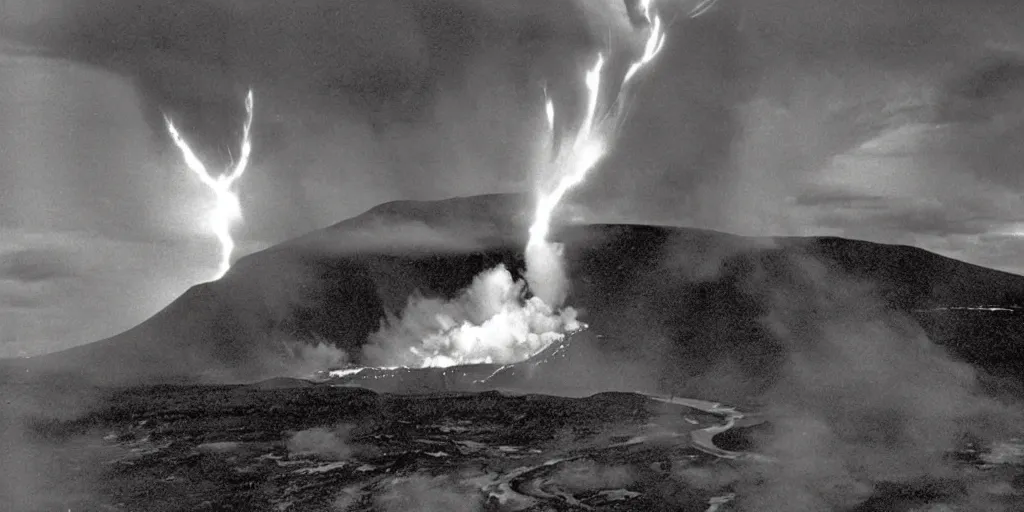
[{"x": 228, "y": 208}]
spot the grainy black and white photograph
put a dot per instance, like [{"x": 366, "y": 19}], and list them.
[{"x": 511, "y": 255}]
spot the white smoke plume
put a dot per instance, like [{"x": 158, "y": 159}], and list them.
[
  {"x": 546, "y": 273},
  {"x": 304, "y": 359},
  {"x": 489, "y": 322}
]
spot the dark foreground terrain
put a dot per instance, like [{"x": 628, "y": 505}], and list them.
[{"x": 291, "y": 445}]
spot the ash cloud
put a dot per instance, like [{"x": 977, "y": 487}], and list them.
[
  {"x": 305, "y": 358},
  {"x": 358, "y": 103},
  {"x": 858, "y": 398}
]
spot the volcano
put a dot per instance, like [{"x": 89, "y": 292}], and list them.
[
  {"x": 710, "y": 371},
  {"x": 667, "y": 301}
]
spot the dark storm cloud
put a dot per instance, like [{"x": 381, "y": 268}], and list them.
[
  {"x": 996, "y": 75},
  {"x": 374, "y": 89},
  {"x": 33, "y": 265},
  {"x": 386, "y": 59},
  {"x": 988, "y": 148},
  {"x": 754, "y": 102}
]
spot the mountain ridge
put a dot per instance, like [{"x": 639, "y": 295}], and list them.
[{"x": 674, "y": 285}]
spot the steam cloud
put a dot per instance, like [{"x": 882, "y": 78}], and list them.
[{"x": 489, "y": 322}]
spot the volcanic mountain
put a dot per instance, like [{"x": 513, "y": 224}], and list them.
[
  {"x": 713, "y": 371},
  {"x": 665, "y": 305}
]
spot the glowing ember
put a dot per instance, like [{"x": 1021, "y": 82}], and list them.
[{"x": 227, "y": 208}]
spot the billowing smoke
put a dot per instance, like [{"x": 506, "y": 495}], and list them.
[
  {"x": 865, "y": 397},
  {"x": 546, "y": 272},
  {"x": 492, "y": 321},
  {"x": 305, "y": 359},
  {"x": 859, "y": 398}
]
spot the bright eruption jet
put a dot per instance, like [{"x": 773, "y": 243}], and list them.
[
  {"x": 228, "y": 209},
  {"x": 544, "y": 268}
]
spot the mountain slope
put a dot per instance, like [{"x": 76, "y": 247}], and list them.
[{"x": 668, "y": 304}]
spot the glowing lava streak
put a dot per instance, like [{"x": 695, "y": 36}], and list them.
[
  {"x": 572, "y": 163},
  {"x": 228, "y": 209}
]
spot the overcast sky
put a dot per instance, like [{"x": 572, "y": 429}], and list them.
[{"x": 889, "y": 121}]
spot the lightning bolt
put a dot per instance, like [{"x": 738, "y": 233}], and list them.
[
  {"x": 227, "y": 207},
  {"x": 573, "y": 161},
  {"x": 584, "y": 153},
  {"x": 702, "y": 8},
  {"x": 592, "y": 139},
  {"x": 655, "y": 42}
]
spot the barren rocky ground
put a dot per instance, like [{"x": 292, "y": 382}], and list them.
[{"x": 292, "y": 445}]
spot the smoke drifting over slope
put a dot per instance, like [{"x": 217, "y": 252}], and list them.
[{"x": 862, "y": 397}]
